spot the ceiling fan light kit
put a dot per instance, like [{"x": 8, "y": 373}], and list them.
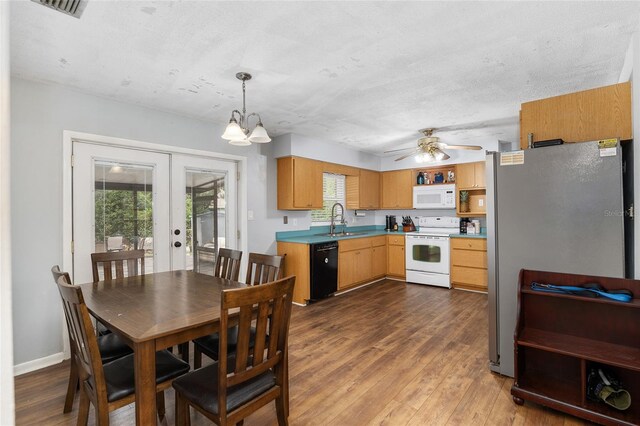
[
  {"x": 430, "y": 149},
  {"x": 237, "y": 131}
]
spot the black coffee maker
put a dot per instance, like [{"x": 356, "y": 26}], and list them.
[{"x": 391, "y": 224}]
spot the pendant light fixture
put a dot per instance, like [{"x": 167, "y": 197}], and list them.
[{"x": 237, "y": 131}]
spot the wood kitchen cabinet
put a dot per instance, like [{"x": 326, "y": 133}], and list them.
[
  {"x": 397, "y": 189},
  {"x": 297, "y": 262},
  {"x": 299, "y": 184},
  {"x": 470, "y": 177},
  {"x": 363, "y": 190},
  {"x": 359, "y": 260},
  {"x": 589, "y": 115},
  {"x": 469, "y": 263},
  {"x": 395, "y": 256},
  {"x": 379, "y": 260}
]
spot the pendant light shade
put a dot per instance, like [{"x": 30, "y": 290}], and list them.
[
  {"x": 240, "y": 142},
  {"x": 233, "y": 131},
  {"x": 259, "y": 134}
]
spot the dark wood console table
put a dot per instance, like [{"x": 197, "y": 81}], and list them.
[{"x": 559, "y": 337}]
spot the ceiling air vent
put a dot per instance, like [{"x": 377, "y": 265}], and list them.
[{"x": 68, "y": 7}]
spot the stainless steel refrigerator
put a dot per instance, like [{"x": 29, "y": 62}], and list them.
[{"x": 560, "y": 210}]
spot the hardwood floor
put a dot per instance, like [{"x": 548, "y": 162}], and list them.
[{"x": 386, "y": 354}]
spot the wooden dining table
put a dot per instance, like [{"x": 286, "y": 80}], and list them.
[{"x": 153, "y": 312}]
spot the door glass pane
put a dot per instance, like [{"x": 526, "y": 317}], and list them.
[
  {"x": 124, "y": 209},
  {"x": 205, "y": 219},
  {"x": 427, "y": 253}
]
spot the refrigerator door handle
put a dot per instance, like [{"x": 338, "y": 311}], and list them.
[{"x": 492, "y": 261}]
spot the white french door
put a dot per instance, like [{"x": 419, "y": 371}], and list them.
[
  {"x": 179, "y": 208},
  {"x": 204, "y": 196}
]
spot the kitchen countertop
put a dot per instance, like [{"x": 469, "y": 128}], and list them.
[
  {"x": 481, "y": 235},
  {"x": 310, "y": 236}
]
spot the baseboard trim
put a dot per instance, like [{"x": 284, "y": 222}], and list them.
[{"x": 37, "y": 364}]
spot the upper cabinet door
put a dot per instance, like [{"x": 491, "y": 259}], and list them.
[
  {"x": 465, "y": 175},
  {"x": 307, "y": 183},
  {"x": 479, "y": 174},
  {"x": 397, "y": 189},
  {"x": 369, "y": 189},
  {"x": 594, "y": 114},
  {"x": 299, "y": 184}
]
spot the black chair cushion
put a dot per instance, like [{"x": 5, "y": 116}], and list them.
[
  {"x": 112, "y": 347},
  {"x": 119, "y": 374},
  {"x": 208, "y": 345},
  {"x": 201, "y": 388}
]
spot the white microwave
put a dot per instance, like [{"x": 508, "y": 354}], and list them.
[{"x": 434, "y": 196}]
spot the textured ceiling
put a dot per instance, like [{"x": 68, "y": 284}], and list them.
[{"x": 367, "y": 74}]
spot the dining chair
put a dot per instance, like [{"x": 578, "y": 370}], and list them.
[
  {"x": 112, "y": 385},
  {"x": 262, "y": 268},
  {"x": 230, "y": 389},
  {"x": 228, "y": 264},
  {"x": 117, "y": 260},
  {"x": 110, "y": 346}
]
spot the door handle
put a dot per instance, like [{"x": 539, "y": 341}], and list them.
[{"x": 177, "y": 244}]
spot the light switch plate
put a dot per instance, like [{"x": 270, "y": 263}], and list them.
[{"x": 250, "y": 215}]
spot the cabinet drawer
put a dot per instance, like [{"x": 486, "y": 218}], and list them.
[
  {"x": 354, "y": 244},
  {"x": 469, "y": 243},
  {"x": 395, "y": 240},
  {"x": 378, "y": 241},
  {"x": 462, "y": 274},
  {"x": 472, "y": 258}
]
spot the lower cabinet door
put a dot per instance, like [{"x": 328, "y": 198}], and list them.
[
  {"x": 346, "y": 269},
  {"x": 378, "y": 261},
  {"x": 363, "y": 265},
  {"x": 395, "y": 264}
]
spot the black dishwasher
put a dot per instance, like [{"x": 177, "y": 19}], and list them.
[{"x": 324, "y": 269}]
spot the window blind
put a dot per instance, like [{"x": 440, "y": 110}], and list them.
[{"x": 333, "y": 191}]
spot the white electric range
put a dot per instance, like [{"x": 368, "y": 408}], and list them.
[{"x": 427, "y": 250}]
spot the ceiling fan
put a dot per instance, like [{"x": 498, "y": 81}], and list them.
[{"x": 430, "y": 149}]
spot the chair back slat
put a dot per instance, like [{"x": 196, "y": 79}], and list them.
[
  {"x": 263, "y": 268},
  {"x": 228, "y": 264},
  {"x": 134, "y": 260},
  {"x": 262, "y": 322},
  {"x": 85, "y": 345},
  {"x": 271, "y": 304}
]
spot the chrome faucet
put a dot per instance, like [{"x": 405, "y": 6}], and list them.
[{"x": 343, "y": 222}]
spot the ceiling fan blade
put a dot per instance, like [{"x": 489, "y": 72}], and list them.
[
  {"x": 414, "y": 152},
  {"x": 468, "y": 147},
  {"x": 440, "y": 153},
  {"x": 398, "y": 150}
]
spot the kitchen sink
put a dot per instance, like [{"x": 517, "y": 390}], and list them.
[{"x": 341, "y": 234}]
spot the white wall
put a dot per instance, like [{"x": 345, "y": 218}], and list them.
[
  {"x": 6, "y": 340},
  {"x": 39, "y": 114}
]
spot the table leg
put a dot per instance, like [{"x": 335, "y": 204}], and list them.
[{"x": 144, "y": 356}]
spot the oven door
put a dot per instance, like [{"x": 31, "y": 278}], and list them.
[{"x": 427, "y": 253}]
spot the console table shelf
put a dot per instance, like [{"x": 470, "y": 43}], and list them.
[
  {"x": 559, "y": 338},
  {"x": 580, "y": 347}
]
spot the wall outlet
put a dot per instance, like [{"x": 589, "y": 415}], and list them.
[
  {"x": 285, "y": 219},
  {"x": 480, "y": 202},
  {"x": 295, "y": 222}
]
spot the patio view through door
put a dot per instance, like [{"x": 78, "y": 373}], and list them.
[{"x": 178, "y": 208}]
